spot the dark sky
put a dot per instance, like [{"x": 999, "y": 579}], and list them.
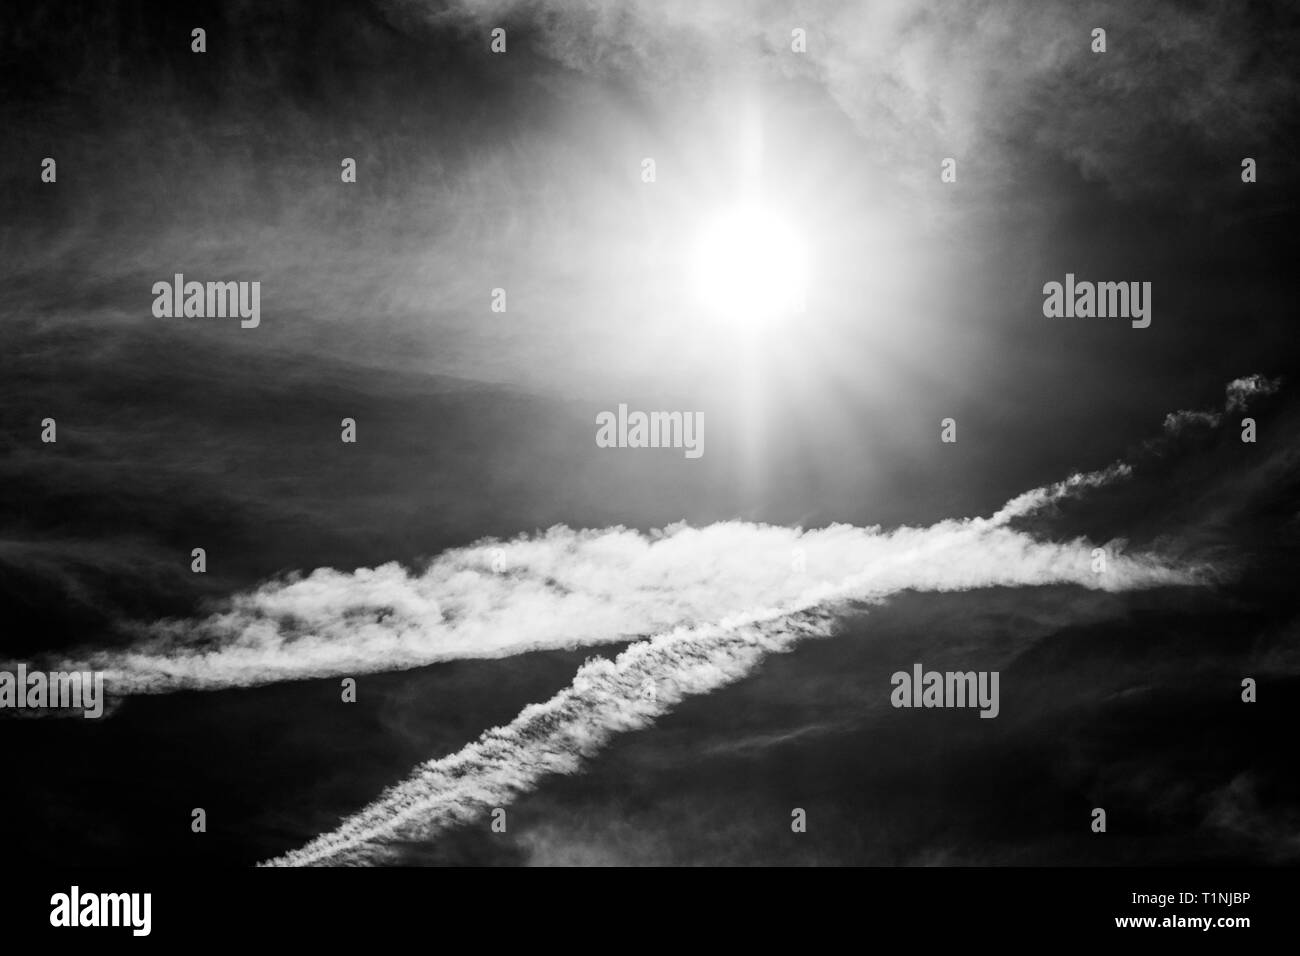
[{"x": 521, "y": 171}]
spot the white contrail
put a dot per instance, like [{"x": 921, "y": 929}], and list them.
[
  {"x": 561, "y": 589},
  {"x": 650, "y": 677}
]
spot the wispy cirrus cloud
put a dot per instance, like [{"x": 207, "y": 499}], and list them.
[{"x": 934, "y": 79}]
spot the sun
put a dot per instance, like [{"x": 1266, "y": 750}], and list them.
[{"x": 750, "y": 265}]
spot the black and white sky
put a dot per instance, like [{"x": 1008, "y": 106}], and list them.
[{"x": 523, "y": 170}]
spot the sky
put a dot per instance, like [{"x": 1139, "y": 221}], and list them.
[{"x": 476, "y": 518}]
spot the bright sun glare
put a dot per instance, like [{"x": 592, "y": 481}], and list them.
[{"x": 750, "y": 266}]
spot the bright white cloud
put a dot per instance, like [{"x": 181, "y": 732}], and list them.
[{"x": 567, "y": 588}]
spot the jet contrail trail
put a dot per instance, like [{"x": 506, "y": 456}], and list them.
[{"x": 608, "y": 697}]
